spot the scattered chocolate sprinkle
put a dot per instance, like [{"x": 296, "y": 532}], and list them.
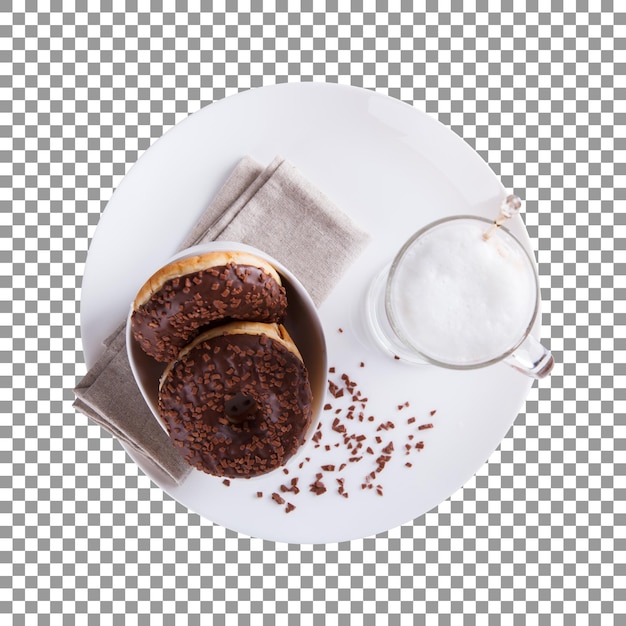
[
  {"x": 290, "y": 507},
  {"x": 379, "y": 490},
  {"x": 318, "y": 487},
  {"x": 328, "y": 468},
  {"x": 340, "y": 330},
  {"x": 407, "y": 464},
  {"x": 285, "y": 470},
  {"x": 396, "y": 357},
  {"x": 278, "y": 499},
  {"x": 328, "y": 407},
  {"x": 337, "y": 426},
  {"x": 411, "y": 420},
  {"x": 362, "y": 364},
  {"x": 419, "y": 445},
  {"x": 433, "y": 412},
  {"x": 334, "y": 389},
  {"x": 424, "y": 426},
  {"x": 388, "y": 449},
  {"x": 331, "y": 370},
  {"x": 292, "y": 487},
  {"x": 226, "y": 482},
  {"x": 259, "y": 494}
]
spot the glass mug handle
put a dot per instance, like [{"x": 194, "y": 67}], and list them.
[{"x": 532, "y": 358}]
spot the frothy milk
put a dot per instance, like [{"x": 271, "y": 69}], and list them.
[{"x": 459, "y": 299}]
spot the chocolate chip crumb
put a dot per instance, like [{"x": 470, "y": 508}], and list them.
[
  {"x": 226, "y": 482},
  {"x": 290, "y": 507},
  {"x": 424, "y": 426},
  {"x": 259, "y": 494}
]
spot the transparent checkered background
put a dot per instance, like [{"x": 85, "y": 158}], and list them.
[{"x": 538, "y": 535}]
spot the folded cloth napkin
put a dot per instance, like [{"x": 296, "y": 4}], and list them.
[{"x": 274, "y": 209}]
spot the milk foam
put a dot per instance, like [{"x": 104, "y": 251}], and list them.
[{"x": 460, "y": 299}]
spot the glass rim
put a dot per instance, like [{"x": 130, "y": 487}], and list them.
[{"x": 392, "y": 318}]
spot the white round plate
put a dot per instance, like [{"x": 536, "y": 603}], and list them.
[{"x": 393, "y": 169}]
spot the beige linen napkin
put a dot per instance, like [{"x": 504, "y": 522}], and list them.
[{"x": 274, "y": 209}]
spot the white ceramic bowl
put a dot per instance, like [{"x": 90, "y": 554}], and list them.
[{"x": 302, "y": 323}]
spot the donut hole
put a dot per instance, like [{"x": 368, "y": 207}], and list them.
[{"x": 240, "y": 407}]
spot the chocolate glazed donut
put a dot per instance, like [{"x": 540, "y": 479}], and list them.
[
  {"x": 186, "y": 297},
  {"x": 237, "y": 402}
]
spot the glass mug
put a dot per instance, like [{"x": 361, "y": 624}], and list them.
[{"x": 460, "y": 295}]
